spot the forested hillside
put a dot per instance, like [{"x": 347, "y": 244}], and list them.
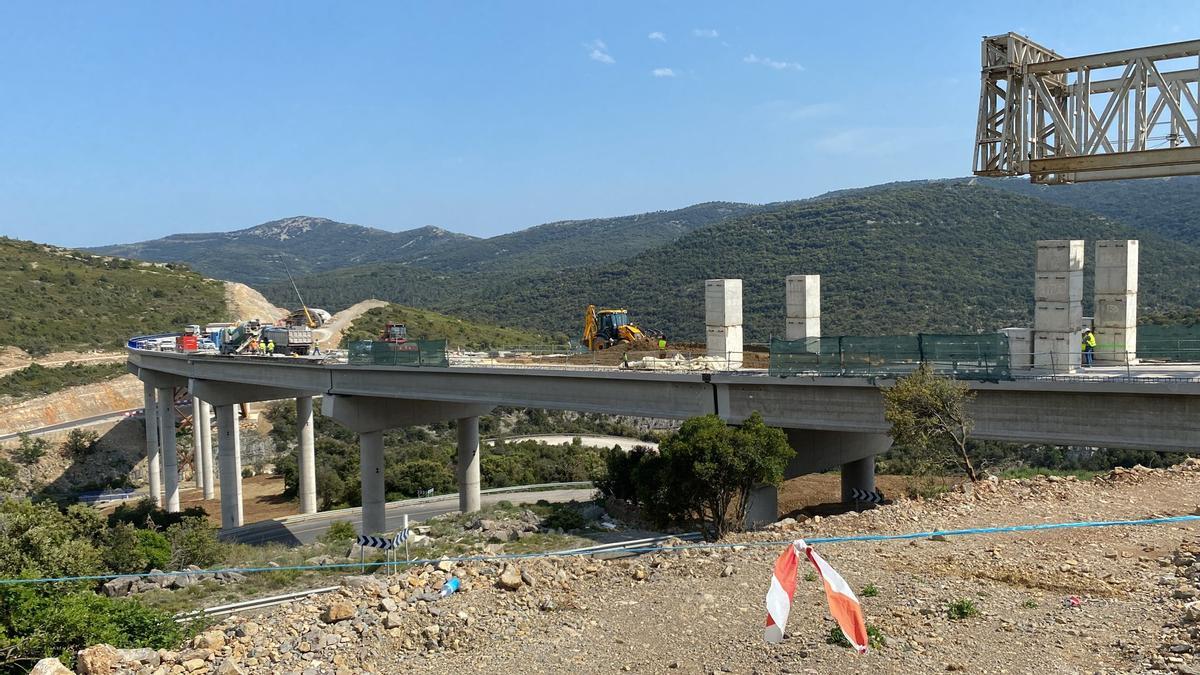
[
  {"x": 426, "y": 324},
  {"x": 52, "y": 299},
  {"x": 933, "y": 256},
  {"x": 305, "y": 245}
]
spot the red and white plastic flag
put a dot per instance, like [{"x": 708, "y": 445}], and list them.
[{"x": 843, "y": 604}]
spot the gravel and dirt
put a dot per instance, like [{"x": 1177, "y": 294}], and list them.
[{"x": 1087, "y": 600}]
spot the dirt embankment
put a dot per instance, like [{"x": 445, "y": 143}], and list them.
[
  {"x": 245, "y": 303},
  {"x": 122, "y": 393},
  {"x": 1070, "y": 600},
  {"x": 15, "y": 358},
  {"x": 330, "y": 335}
]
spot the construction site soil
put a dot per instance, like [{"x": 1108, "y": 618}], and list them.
[{"x": 1096, "y": 600}]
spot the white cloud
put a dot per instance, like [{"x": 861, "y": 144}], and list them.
[
  {"x": 657, "y": 35},
  {"x": 705, "y": 32},
  {"x": 663, "y": 72},
  {"x": 598, "y": 51},
  {"x": 772, "y": 63}
]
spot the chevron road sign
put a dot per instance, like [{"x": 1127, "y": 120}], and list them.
[
  {"x": 384, "y": 543},
  {"x": 866, "y": 496}
]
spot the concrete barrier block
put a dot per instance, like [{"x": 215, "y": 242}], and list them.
[
  {"x": 1058, "y": 287},
  {"x": 803, "y": 296},
  {"x": 725, "y": 342},
  {"x": 1057, "y": 317},
  {"x": 1116, "y": 310},
  {"x": 1116, "y": 345},
  {"x": 1060, "y": 255},
  {"x": 1020, "y": 347},
  {"x": 723, "y": 302},
  {"x": 1117, "y": 253},
  {"x": 1116, "y": 279},
  {"x": 798, "y": 329},
  {"x": 1057, "y": 351}
]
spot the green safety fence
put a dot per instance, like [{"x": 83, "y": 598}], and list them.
[
  {"x": 427, "y": 353},
  {"x": 973, "y": 357},
  {"x": 1178, "y": 343}
]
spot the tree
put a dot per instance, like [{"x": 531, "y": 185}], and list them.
[
  {"x": 930, "y": 412},
  {"x": 80, "y": 442},
  {"x": 31, "y": 449},
  {"x": 707, "y": 470}
]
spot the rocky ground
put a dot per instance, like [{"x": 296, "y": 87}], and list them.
[{"x": 1087, "y": 600}]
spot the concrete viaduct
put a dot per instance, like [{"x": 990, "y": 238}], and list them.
[{"x": 831, "y": 422}]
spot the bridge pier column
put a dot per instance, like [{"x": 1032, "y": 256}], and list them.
[
  {"x": 229, "y": 455},
  {"x": 859, "y": 474},
  {"x": 153, "y": 460},
  {"x": 763, "y": 506},
  {"x": 468, "y": 464},
  {"x": 166, "y": 433},
  {"x": 307, "y": 459},
  {"x": 374, "y": 516},
  {"x": 206, "y": 450},
  {"x": 197, "y": 443}
]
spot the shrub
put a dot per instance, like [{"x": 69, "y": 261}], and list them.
[
  {"x": 340, "y": 533},
  {"x": 870, "y": 591},
  {"x": 562, "y": 516},
  {"x": 145, "y": 514},
  {"x": 963, "y": 608},
  {"x": 875, "y": 637},
  {"x": 30, "y": 449},
  {"x": 194, "y": 542},
  {"x": 412, "y": 478},
  {"x": 80, "y": 443}
]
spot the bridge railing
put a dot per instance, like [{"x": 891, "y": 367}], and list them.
[
  {"x": 422, "y": 353},
  {"x": 973, "y": 357}
]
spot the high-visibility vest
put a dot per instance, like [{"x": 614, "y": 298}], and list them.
[{"x": 1090, "y": 340}]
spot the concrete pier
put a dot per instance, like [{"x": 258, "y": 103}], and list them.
[
  {"x": 374, "y": 517},
  {"x": 859, "y": 474},
  {"x": 170, "y": 455},
  {"x": 153, "y": 460},
  {"x": 468, "y": 464},
  {"x": 197, "y": 443},
  {"x": 206, "y": 450},
  {"x": 723, "y": 320},
  {"x": 307, "y": 460},
  {"x": 1116, "y": 298},
  {"x": 229, "y": 439},
  {"x": 803, "y": 306}
]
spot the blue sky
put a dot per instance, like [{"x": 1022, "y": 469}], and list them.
[{"x": 125, "y": 121}]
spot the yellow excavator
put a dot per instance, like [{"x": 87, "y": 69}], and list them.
[{"x": 604, "y": 328}]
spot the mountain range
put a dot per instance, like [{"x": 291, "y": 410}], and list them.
[{"x": 947, "y": 255}]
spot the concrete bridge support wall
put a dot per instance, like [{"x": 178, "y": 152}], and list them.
[
  {"x": 374, "y": 516},
  {"x": 170, "y": 455},
  {"x": 468, "y": 464},
  {"x": 230, "y": 456},
  {"x": 307, "y": 459},
  {"x": 197, "y": 443},
  {"x": 206, "y": 450},
  {"x": 153, "y": 459}
]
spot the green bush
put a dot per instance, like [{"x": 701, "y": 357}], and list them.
[
  {"x": 194, "y": 542},
  {"x": 340, "y": 533},
  {"x": 30, "y": 449},
  {"x": 39, "y": 625},
  {"x": 963, "y": 608},
  {"x": 870, "y": 591},
  {"x": 412, "y": 478},
  {"x": 875, "y": 637},
  {"x": 561, "y": 516},
  {"x": 80, "y": 443},
  {"x": 145, "y": 514}
]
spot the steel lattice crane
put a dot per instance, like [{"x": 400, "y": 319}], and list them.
[{"x": 1125, "y": 114}]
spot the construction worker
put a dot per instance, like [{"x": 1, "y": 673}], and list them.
[
  {"x": 1089, "y": 346},
  {"x": 262, "y": 348},
  {"x": 270, "y": 346},
  {"x": 625, "y": 361},
  {"x": 662, "y": 347}
]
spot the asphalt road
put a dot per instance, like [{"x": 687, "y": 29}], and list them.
[
  {"x": 82, "y": 422},
  {"x": 307, "y": 529}
]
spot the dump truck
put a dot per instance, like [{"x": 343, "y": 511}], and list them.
[
  {"x": 604, "y": 328},
  {"x": 235, "y": 339},
  {"x": 289, "y": 339}
]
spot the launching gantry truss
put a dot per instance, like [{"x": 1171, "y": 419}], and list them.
[{"x": 1125, "y": 114}]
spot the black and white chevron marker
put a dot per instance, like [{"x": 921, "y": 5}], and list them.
[
  {"x": 866, "y": 496},
  {"x": 376, "y": 542}
]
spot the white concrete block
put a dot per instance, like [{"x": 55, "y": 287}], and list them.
[
  {"x": 1115, "y": 345},
  {"x": 803, "y": 296},
  {"x": 798, "y": 329},
  {"x": 1020, "y": 346},
  {"x": 725, "y": 342},
  {"x": 1116, "y": 311},
  {"x": 1117, "y": 253},
  {"x": 1116, "y": 280},
  {"x": 1057, "y": 351},
  {"x": 723, "y": 302},
  {"x": 1058, "y": 287},
  {"x": 1060, "y": 255},
  {"x": 1057, "y": 317}
]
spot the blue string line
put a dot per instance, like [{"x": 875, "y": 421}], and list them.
[{"x": 632, "y": 549}]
